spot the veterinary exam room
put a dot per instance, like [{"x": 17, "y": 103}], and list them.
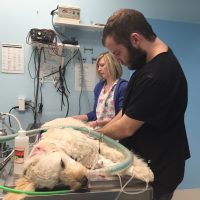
[{"x": 99, "y": 100}]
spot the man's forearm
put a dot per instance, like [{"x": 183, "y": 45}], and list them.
[
  {"x": 117, "y": 117},
  {"x": 121, "y": 128}
]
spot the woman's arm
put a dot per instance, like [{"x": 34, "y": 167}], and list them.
[
  {"x": 119, "y": 94},
  {"x": 81, "y": 117},
  {"x": 92, "y": 115}
]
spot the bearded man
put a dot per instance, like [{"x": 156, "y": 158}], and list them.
[{"x": 151, "y": 122}]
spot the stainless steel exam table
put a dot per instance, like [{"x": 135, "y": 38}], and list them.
[{"x": 98, "y": 189}]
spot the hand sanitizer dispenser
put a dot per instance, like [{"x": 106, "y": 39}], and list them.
[{"x": 21, "y": 150}]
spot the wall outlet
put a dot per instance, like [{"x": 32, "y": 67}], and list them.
[{"x": 21, "y": 103}]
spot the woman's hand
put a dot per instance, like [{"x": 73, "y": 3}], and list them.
[
  {"x": 80, "y": 117},
  {"x": 93, "y": 124}
]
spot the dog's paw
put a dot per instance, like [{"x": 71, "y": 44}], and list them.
[
  {"x": 14, "y": 196},
  {"x": 140, "y": 170}
]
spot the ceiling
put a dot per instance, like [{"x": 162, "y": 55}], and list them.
[{"x": 173, "y": 10}]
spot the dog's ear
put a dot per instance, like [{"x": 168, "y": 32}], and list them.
[
  {"x": 21, "y": 184},
  {"x": 72, "y": 174},
  {"x": 62, "y": 164}
]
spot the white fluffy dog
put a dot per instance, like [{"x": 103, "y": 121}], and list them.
[{"x": 67, "y": 156}]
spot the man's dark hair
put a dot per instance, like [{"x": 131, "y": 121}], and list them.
[{"x": 124, "y": 22}]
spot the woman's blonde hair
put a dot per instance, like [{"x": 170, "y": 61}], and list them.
[{"x": 114, "y": 67}]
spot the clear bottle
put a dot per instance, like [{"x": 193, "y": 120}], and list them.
[{"x": 21, "y": 150}]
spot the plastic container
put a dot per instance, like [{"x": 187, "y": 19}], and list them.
[{"x": 21, "y": 150}]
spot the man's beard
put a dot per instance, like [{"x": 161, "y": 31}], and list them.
[{"x": 137, "y": 58}]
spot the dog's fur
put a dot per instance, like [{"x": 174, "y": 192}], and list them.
[{"x": 66, "y": 156}]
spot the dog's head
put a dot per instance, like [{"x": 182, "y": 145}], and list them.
[{"x": 48, "y": 166}]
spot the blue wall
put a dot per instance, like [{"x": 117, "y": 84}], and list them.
[
  {"x": 184, "y": 39},
  {"x": 18, "y": 17}
]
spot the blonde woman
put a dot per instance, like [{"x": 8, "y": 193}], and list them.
[{"x": 108, "y": 93}]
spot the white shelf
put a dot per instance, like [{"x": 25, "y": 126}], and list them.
[
  {"x": 74, "y": 24},
  {"x": 69, "y": 46},
  {"x": 66, "y": 46}
]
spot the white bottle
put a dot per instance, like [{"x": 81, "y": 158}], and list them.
[{"x": 21, "y": 150}]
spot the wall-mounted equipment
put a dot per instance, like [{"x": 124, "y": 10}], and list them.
[
  {"x": 45, "y": 36},
  {"x": 70, "y": 13}
]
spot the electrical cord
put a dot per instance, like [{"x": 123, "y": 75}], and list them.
[
  {"x": 64, "y": 67},
  {"x": 53, "y": 11},
  {"x": 33, "y": 52},
  {"x": 59, "y": 34},
  {"x": 40, "y": 105},
  {"x": 15, "y": 107},
  {"x": 124, "y": 186},
  {"x": 18, "y": 122},
  {"x": 79, "y": 99},
  {"x": 62, "y": 37},
  {"x": 62, "y": 87},
  {"x": 37, "y": 83}
]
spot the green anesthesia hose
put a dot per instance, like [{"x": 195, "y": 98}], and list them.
[
  {"x": 28, "y": 133},
  {"x": 7, "y": 189},
  {"x": 115, "y": 169}
]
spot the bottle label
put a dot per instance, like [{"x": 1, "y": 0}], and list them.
[{"x": 19, "y": 155}]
